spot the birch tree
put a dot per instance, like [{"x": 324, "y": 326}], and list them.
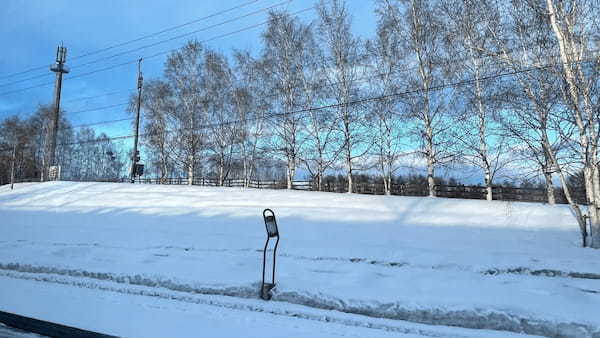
[
  {"x": 249, "y": 103},
  {"x": 284, "y": 45},
  {"x": 418, "y": 24},
  {"x": 184, "y": 72},
  {"x": 575, "y": 23},
  {"x": 531, "y": 94},
  {"x": 386, "y": 60},
  {"x": 157, "y": 106},
  {"x": 221, "y": 117},
  {"x": 343, "y": 63},
  {"x": 468, "y": 34}
]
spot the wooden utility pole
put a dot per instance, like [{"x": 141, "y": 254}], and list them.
[
  {"x": 12, "y": 166},
  {"x": 135, "y": 157},
  {"x": 59, "y": 68}
]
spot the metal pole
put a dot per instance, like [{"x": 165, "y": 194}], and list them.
[
  {"x": 134, "y": 157},
  {"x": 274, "y": 257},
  {"x": 12, "y": 167},
  {"x": 60, "y": 69}
]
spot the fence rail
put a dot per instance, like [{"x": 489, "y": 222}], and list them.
[
  {"x": 448, "y": 191},
  {"x": 370, "y": 188}
]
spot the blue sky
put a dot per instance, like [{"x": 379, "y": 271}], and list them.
[{"x": 31, "y": 30}]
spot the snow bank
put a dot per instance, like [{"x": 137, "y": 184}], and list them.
[{"x": 495, "y": 265}]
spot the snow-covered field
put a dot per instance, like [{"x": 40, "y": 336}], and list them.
[{"x": 148, "y": 260}]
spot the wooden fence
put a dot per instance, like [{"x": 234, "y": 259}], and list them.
[{"x": 448, "y": 191}]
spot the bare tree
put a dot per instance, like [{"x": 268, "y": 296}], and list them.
[
  {"x": 321, "y": 139},
  {"x": 249, "y": 103},
  {"x": 343, "y": 63},
  {"x": 223, "y": 126},
  {"x": 94, "y": 158},
  {"x": 530, "y": 95},
  {"x": 184, "y": 73},
  {"x": 157, "y": 104},
  {"x": 468, "y": 34},
  {"x": 574, "y": 24},
  {"x": 285, "y": 42},
  {"x": 15, "y": 135},
  {"x": 418, "y": 24},
  {"x": 386, "y": 60}
]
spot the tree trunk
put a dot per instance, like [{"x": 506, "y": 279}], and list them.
[
  {"x": 12, "y": 167},
  {"x": 578, "y": 88},
  {"x": 245, "y": 167},
  {"x": 430, "y": 160},
  {"x": 163, "y": 171},
  {"x": 348, "y": 146},
  {"x": 221, "y": 171},
  {"x": 387, "y": 184},
  {"x": 349, "y": 176},
  {"x": 430, "y": 175},
  {"x": 320, "y": 178},
  {"x": 291, "y": 170},
  {"x": 594, "y": 209},
  {"x": 190, "y": 170},
  {"x": 483, "y": 147},
  {"x": 488, "y": 186},
  {"x": 581, "y": 221},
  {"x": 549, "y": 187}
]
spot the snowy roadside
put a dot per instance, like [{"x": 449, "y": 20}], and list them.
[
  {"x": 139, "y": 312},
  {"x": 503, "y": 266}
]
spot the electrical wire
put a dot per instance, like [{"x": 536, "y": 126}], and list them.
[
  {"x": 100, "y": 123},
  {"x": 146, "y": 57},
  {"x": 99, "y": 108},
  {"x": 137, "y": 39},
  {"x": 177, "y": 37},
  {"x": 98, "y": 95},
  {"x": 335, "y": 105}
]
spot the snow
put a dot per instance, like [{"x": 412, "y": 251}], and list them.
[
  {"x": 144, "y": 313},
  {"x": 475, "y": 264},
  {"x": 9, "y": 332}
]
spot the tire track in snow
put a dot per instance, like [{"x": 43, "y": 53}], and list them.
[
  {"x": 314, "y": 315},
  {"x": 194, "y": 249},
  {"x": 477, "y": 318},
  {"x": 356, "y": 260},
  {"x": 541, "y": 272}
]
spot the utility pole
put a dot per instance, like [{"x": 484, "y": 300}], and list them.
[
  {"x": 60, "y": 69},
  {"x": 136, "y": 157},
  {"x": 12, "y": 166}
]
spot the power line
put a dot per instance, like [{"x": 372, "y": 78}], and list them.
[
  {"x": 165, "y": 30},
  {"x": 435, "y": 88},
  {"x": 183, "y": 35},
  {"x": 25, "y": 80},
  {"x": 147, "y": 57},
  {"x": 336, "y": 105},
  {"x": 354, "y": 102},
  {"x": 99, "y": 108},
  {"x": 27, "y": 88},
  {"x": 100, "y": 123},
  {"x": 137, "y": 39},
  {"x": 99, "y": 95},
  {"x": 152, "y": 44}
]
